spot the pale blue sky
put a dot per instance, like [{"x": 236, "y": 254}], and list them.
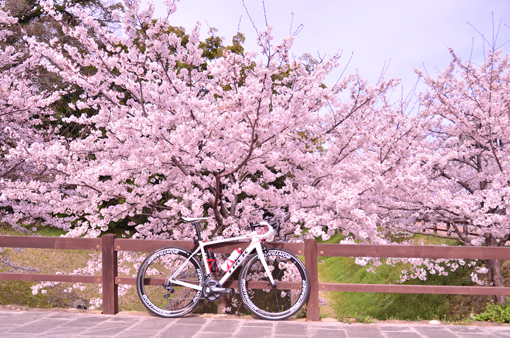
[{"x": 408, "y": 34}]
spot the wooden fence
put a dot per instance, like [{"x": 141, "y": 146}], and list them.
[{"x": 109, "y": 245}]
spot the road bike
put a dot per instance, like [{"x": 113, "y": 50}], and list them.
[{"x": 273, "y": 283}]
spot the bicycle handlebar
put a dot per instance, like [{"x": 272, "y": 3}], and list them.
[{"x": 268, "y": 233}]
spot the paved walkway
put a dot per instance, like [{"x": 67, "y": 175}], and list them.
[{"x": 24, "y": 324}]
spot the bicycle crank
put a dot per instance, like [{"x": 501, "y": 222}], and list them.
[{"x": 212, "y": 290}]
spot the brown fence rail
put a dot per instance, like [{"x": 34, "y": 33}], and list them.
[{"x": 109, "y": 245}]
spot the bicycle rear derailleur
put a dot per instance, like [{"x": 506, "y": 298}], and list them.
[
  {"x": 212, "y": 290},
  {"x": 167, "y": 285}
]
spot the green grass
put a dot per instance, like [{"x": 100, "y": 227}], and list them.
[
  {"x": 387, "y": 305},
  {"x": 430, "y": 240},
  {"x": 348, "y": 305},
  {"x": 46, "y": 261},
  {"x": 498, "y": 313}
]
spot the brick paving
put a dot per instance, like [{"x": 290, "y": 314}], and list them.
[{"x": 67, "y": 324}]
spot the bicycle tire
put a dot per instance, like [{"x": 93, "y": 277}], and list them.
[
  {"x": 161, "y": 264},
  {"x": 292, "y": 285}
]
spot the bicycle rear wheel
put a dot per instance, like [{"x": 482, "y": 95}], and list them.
[
  {"x": 165, "y": 299},
  {"x": 292, "y": 285}
]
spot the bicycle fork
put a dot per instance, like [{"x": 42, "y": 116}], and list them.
[{"x": 260, "y": 252}]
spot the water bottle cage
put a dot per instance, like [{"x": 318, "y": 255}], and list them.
[{"x": 211, "y": 261}]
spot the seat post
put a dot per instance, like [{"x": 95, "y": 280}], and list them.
[{"x": 197, "y": 229}]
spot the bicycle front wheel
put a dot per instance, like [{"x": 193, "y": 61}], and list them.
[
  {"x": 165, "y": 299},
  {"x": 292, "y": 285}
]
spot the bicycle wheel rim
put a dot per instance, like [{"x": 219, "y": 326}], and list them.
[
  {"x": 292, "y": 285},
  {"x": 162, "y": 264}
]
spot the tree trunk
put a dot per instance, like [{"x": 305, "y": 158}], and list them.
[
  {"x": 494, "y": 274},
  {"x": 495, "y": 278}
]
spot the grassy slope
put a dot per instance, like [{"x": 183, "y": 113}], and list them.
[
  {"x": 45, "y": 261},
  {"x": 394, "y": 306},
  {"x": 50, "y": 262},
  {"x": 65, "y": 261}
]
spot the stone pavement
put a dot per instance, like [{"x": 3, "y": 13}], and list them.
[{"x": 37, "y": 323}]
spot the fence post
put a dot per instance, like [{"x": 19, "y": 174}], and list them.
[
  {"x": 109, "y": 269},
  {"x": 312, "y": 306}
]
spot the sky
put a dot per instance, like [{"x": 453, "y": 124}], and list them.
[{"x": 401, "y": 35}]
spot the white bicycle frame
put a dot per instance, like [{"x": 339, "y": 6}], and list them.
[{"x": 255, "y": 244}]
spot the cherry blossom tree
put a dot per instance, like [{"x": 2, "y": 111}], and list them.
[
  {"x": 456, "y": 183},
  {"x": 365, "y": 135},
  {"x": 175, "y": 134},
  {"x": 23, "y": 118},
  {"x": 178, "y": 134},
  {"x": 440, "y": 171}
]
